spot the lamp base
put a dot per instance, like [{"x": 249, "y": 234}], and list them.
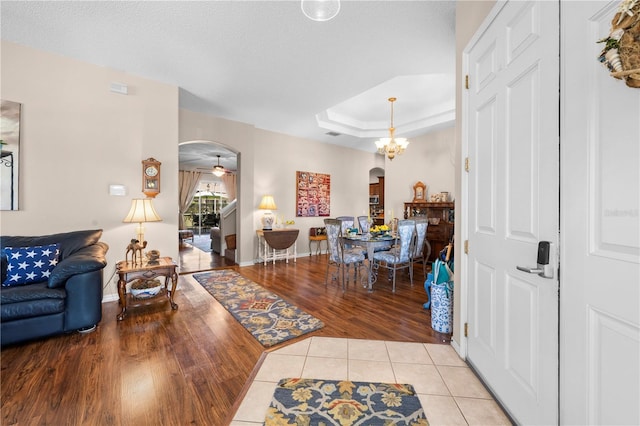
[{"x": 267, "y": 222}]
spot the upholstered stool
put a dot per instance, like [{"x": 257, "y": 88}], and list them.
[{"x": 317, "y": 235}]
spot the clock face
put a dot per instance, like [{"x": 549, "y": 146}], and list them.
[{"x": 151, "y": 171}]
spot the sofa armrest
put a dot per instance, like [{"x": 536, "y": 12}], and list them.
[
  {"x": 84, "y": 300},
  {"x": 88, "y": 259}
]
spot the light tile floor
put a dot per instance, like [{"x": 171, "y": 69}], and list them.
[{"x": 449, "y": 391}]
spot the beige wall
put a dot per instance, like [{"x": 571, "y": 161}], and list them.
[
  {"x": 268, "y": 165},
  {"x": 429, "y": 159},
  {"x": 77, "y": 138},
  {"x": 469, "y": 17}
]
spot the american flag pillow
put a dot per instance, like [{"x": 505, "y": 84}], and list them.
[{"x": 26, "y": 265}]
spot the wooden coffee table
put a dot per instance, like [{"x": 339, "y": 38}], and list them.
[{"x": 128, "y": 271}]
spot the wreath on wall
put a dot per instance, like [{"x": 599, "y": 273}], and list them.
[{"x": 621, "y": 52}]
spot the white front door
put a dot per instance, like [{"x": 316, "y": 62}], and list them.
[
  {"x": 512, "y": 139},
  {"x": 600, "y": 274}
]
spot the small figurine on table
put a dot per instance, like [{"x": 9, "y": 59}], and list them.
[{"x": 136, "y": 248}]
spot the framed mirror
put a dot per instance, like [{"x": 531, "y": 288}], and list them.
[{"x": 10, "y": 154}]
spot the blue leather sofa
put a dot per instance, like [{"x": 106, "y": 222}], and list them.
[{"x": 69, "y": 299}]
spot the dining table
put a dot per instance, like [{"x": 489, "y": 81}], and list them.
[{"x": 371, "y": 243}]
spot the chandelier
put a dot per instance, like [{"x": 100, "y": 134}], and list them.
[
  {"x": 392, "y": 146},
  {"x": 320, "y": 10},
  {"x": 218, "y": 170}
]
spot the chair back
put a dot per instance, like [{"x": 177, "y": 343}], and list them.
[
  {"x": 363, "y": 221},
  {"x": 346, "y": 222},
  {"x": 406, "y": 229},
  {"x": 334, "y": 233},
  {"x": 421, "y": 234}
]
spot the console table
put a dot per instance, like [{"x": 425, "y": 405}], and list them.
[
  {"x": 129, "y": 271},
  {"x": 274, "y": 245}
]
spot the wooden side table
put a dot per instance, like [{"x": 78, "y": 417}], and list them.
[{"x": 128, "y": 271}]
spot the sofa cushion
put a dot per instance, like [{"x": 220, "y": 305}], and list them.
[
  {"x": 70, "y": 242},
  {"x": 26, "y": 265},
  {"x": 30, "y": 301}
]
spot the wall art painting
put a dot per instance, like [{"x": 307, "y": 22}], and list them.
[
  {"x": 313, "y": 194},
  {"x": 10, "y": 145}
]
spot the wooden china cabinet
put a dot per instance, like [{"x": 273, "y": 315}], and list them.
[{"x": 438, "y": 234}]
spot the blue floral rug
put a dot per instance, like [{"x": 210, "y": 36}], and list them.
[
  {"x": 269, "y": 318},
  {"x": 345, "y": 403}
]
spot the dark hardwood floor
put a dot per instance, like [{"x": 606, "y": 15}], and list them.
[{"x": 189, "y": 366}]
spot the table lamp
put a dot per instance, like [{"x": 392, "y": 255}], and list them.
[
  {"x": 267, "y": 204},
  {"x": 141, "y": 211}
]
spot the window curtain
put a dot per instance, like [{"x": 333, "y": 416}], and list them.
[
  {"x": 188, "y": 182},
  {"x": 229, "y": 180}
]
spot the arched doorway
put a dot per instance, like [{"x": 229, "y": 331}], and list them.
[{"x": 204, "y": 196}]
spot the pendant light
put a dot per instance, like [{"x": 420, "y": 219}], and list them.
[
  {"x": 218, "y": 170},
  {"x": 391, "y": 146}
]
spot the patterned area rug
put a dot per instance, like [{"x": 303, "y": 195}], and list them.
[
  {"x": 270, "y": 319},
  {"x": 345, "y": 403}
]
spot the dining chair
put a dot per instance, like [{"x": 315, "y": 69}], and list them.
[
  {"x": 347, "y": 222},
  {"x": 363, "y": 221},
  {"x": 400, "y": 257},
  {"x": 420, "y": 245},
  {"x": 339, "y": 256}
]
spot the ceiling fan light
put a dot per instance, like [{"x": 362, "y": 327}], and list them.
[
  {"x": 218, "y": 170},
  {"x": 320, "y": 10}
]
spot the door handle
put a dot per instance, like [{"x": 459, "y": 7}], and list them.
[
  {"x": 544, "y": 268},
  {"x": 530, "y": 270}
]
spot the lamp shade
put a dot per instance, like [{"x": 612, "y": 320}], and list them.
[
  {"x": 267, "y": 203},
  {"x": 142, "y": 211}
]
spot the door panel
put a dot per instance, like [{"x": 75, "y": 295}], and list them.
[
  {"x": 600, "y": 330},
  {"x": 513, "y": 182}
]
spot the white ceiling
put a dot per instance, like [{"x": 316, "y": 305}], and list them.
[{"x": 265, "y": 63}]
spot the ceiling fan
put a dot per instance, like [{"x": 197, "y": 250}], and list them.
[{"x": 218, "y": 169}]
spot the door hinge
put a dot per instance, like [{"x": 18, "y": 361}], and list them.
[
  {"x": 466, "y": 329},
  {"x": 466, "y": 164},
  {"x": 466, "y": 81},
  {"x": 466, "y": 246}
]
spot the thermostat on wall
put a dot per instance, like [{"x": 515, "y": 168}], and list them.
[{"x": 119, "y": 190}]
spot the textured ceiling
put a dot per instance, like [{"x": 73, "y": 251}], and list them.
[{"x": 264, "y": 63}]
